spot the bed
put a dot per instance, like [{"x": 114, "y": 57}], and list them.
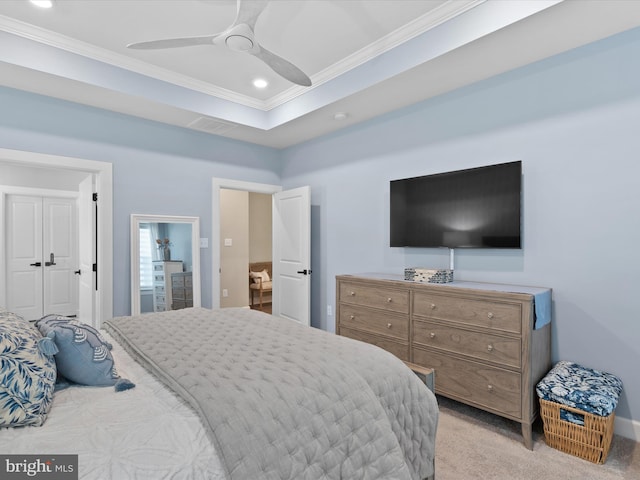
[{"x": 239, "y": 394}]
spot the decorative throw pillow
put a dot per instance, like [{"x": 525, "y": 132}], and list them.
[
  {"x": 83, "y": 356},
  {"x": 580, "y": 387},
  {"x": 27, "y": 375},
  {"x": 264, "y": 275}
]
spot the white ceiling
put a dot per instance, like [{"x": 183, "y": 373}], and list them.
[{"x": 364, "y": 57}]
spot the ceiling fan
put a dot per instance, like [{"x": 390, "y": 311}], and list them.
[{"x": 239, "y": 37}]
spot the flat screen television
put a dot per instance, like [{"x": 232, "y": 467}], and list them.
[{"x": 473, "y": 208}]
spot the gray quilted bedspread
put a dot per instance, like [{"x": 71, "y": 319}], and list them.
[{"x": 284, "y": 401}]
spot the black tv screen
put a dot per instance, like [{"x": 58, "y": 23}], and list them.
[{"x": 473, "y": 208}]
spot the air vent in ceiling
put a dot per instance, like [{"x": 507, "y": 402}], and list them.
[{"x": 212, "y": 125}]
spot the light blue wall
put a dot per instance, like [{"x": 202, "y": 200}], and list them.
[
  {"x": 157, "y": 169},
  {"x": 180, "y": 236},
  {"x": 574, "y": 121}
]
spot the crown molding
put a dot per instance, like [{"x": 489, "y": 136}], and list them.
[
  {"x": 421, "y": 24},
  {"x": 78, "y": 47},
  {"x": 425, "y": 22}
]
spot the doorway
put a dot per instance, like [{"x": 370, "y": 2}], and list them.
[
  {"x": 246, "y": 231},
  {"x": 291, "y": 236},
  {"x": 216, "y": 244},
  {"x": 40, "y": 174}
]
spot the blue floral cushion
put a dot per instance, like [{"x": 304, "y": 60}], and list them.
[
  {"x": 27, "y": 375},
  {"x": 580, "y": 387},
  {"x": 83, "y": 355}
]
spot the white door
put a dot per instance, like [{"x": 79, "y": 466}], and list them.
[
  {"x": 86, "y": 251},
  {"x": 292, "y": 254},
  {"x": 41, "y": 256},
  {"x": 24, "y": 256}
]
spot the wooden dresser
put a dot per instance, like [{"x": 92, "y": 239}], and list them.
[
  {"x": 181, "y": 290},
  {"x": 479, "y": 338}
]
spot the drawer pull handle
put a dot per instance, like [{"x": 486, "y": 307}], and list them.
[
  {"x": 490, "y": 388},
  {"x": 388, "y": 325},
  {"x": 353, "y": 294},
  {"x": 389, "y": 300},
  {"x": 489, "y": 348},
  {"x": 432, "y": 335},
  {"x": 490, "y": 315}
]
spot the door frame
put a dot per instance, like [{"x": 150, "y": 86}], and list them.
[
  {"x": 217, "y": 185},
  {"x": 103, "y": 172}
]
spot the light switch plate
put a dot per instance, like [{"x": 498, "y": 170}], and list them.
[
  {"x": 204, "y": 243},
  {"x": 228, "y": 242}
]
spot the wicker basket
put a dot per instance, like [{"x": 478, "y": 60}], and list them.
[{"x": 590, "y": 442}]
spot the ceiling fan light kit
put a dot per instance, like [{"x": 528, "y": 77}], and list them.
[{"x": 239, "y": 37}]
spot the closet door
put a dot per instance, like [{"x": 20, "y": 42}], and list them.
[
  {"x": 60, "y": 257},
  {"x": 41, "y": 256},
  {"x": 24, "y": 256}
]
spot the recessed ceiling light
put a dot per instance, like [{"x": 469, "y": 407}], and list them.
[
  {"x": 43, "y": 3},
  {"x": 260, "y": 83},
  {"x": 340, "y": 116}
]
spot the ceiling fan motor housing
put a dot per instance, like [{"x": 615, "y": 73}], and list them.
[{"x": 239, "y": 43}]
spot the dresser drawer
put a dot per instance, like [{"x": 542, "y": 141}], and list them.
[
  {"x": 179, "y": 304},
  {"x": 182, "y": 294},
  {"x": 485, "y": 346},
  {"x": 483, "y": 313},
  {"x": 375, "y": 321},
  {"x": 373, "y": 296},
  {"x": 490, "y": 388},
  {"x": 399, "y": 349},
  {"x": 177, "y": 280}
]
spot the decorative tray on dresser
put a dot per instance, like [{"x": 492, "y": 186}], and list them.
[{"x": 489, "y": 344}]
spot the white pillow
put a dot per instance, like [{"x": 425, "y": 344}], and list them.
[{"x": 264, "y": 275}]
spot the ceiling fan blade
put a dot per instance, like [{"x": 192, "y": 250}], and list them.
[
  {"x": 249, "y": 11},
  {"x": 173, "y": 43},
  {"x": 282, "y": 67}
]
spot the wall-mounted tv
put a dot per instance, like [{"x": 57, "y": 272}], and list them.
[{"x": 473, "y": 208}]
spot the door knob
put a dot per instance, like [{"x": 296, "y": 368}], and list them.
[
  {"x": 78, "y": 272},
  {"x": 305, "y": 272},
  {"x": 37, "y": 264},
  {"x": 52, "y": 261}
]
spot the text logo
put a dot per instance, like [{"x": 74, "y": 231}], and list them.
[{"x": 50, "y": 467}]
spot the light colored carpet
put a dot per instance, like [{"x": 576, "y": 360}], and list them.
[{"x": 472, "y": 444}]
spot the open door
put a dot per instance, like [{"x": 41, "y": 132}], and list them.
[
  {"x": 86, "y": 251},
  {"x": 292, "y": 254}
]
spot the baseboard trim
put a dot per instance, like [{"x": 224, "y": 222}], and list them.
[{"x": 627, "y": 428}]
